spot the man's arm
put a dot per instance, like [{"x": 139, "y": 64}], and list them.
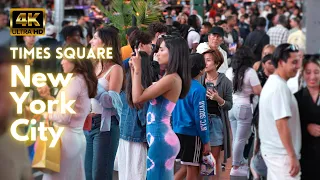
[
  {"x": 285, "y": 135},
  {"x": 201, "y": 116}
]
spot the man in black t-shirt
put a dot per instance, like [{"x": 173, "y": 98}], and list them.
[{"x": 258, "y": 38}]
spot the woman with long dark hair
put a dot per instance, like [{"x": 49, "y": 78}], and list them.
[
  {"x": 308, "y": 99},
  {"x": 81, "y": 88},
  {"x": 132, "y": 145},
  {"x": 103, "y": 139},
  {"x": 245, "y": 82},
  {"x": 163, "y": 95}
]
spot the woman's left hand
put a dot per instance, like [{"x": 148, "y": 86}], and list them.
[{"x": 212, "y": 94}]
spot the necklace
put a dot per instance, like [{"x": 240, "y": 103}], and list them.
[{"x": 215, "y": 78}]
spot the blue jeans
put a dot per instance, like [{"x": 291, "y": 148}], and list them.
[
  {"x": 240, "y": 120},
  {"x": 101, "y": 150}
]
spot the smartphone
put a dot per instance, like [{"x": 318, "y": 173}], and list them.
[
  {"x": 136, "y": 46},
  {"x": 232, "y": 48},
  {"x": 210, "y": 86}
]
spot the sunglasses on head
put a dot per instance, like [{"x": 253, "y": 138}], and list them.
[
  {"x": 292, "y": 48},
  {"x": 169, "y": 36}
]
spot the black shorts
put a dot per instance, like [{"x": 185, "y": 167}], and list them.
[{"x": 190, "y": 150}]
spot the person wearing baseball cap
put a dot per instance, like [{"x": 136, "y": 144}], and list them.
[
  {"x": 217, "y": 30},
  {"x": 51, "y": 30},
  {"x": 215, "y": 39}
]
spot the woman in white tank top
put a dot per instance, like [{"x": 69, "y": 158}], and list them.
[{"x": 103, "y": 138}]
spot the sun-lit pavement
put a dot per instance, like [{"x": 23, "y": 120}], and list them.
[{"x": 225, "y": 175}]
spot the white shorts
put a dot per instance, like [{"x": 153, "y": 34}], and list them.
[
  {"x": 132, "y": 159},
  {"x": 278, "y": 167}
]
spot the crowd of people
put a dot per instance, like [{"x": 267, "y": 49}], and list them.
[{"x": 177, "y": 91}]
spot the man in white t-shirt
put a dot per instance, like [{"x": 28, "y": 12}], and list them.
[
  {"x": 215, "y": 39},
  {"x": 279, "y": 121}
]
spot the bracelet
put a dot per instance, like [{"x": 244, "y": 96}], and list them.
[{"x": 222, "y": 103}]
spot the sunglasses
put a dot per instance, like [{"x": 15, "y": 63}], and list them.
[{"x": 292, "y": 48}]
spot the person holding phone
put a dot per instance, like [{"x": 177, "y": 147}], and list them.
[
  {"x": 138, "y": 40},
  {"x": 163, "y": 143},
  {"x": 219, "y": 102}
]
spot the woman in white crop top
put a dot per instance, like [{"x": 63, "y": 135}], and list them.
[
  {"x": 82, "y": 87},
  {"x": 103, "y": 139},
  {"x": 245, "y": 82}
]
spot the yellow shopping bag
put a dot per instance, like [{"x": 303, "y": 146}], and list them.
[
  {"x": 47, "y": 159},
  {"x": 29, "y": 142}
]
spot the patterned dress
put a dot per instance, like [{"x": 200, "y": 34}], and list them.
[{"x": 163, "y": 142}]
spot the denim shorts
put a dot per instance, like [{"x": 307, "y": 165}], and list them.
[{"x": 216, "y": 130}]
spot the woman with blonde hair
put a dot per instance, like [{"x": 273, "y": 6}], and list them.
[
  {"x": 182, "y": 18},
  {"x": 267, "y": 49}
]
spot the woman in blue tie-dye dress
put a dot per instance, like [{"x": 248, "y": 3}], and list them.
[{"x": 163, "y": 95}]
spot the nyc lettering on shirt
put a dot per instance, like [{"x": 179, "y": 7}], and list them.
[{"x": 202, "y": 115}]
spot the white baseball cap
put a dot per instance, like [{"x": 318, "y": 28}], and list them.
[{"x": 50, "y": 30}]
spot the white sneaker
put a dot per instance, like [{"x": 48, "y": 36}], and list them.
[{"x": 241, "y": 171}]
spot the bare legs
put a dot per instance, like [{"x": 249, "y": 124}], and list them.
[
  {"x": 188, "y": 172},
  {"x": 215, "y": 150}
]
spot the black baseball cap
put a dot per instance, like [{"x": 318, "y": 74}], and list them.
[{"x": 217, "y": 30}]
